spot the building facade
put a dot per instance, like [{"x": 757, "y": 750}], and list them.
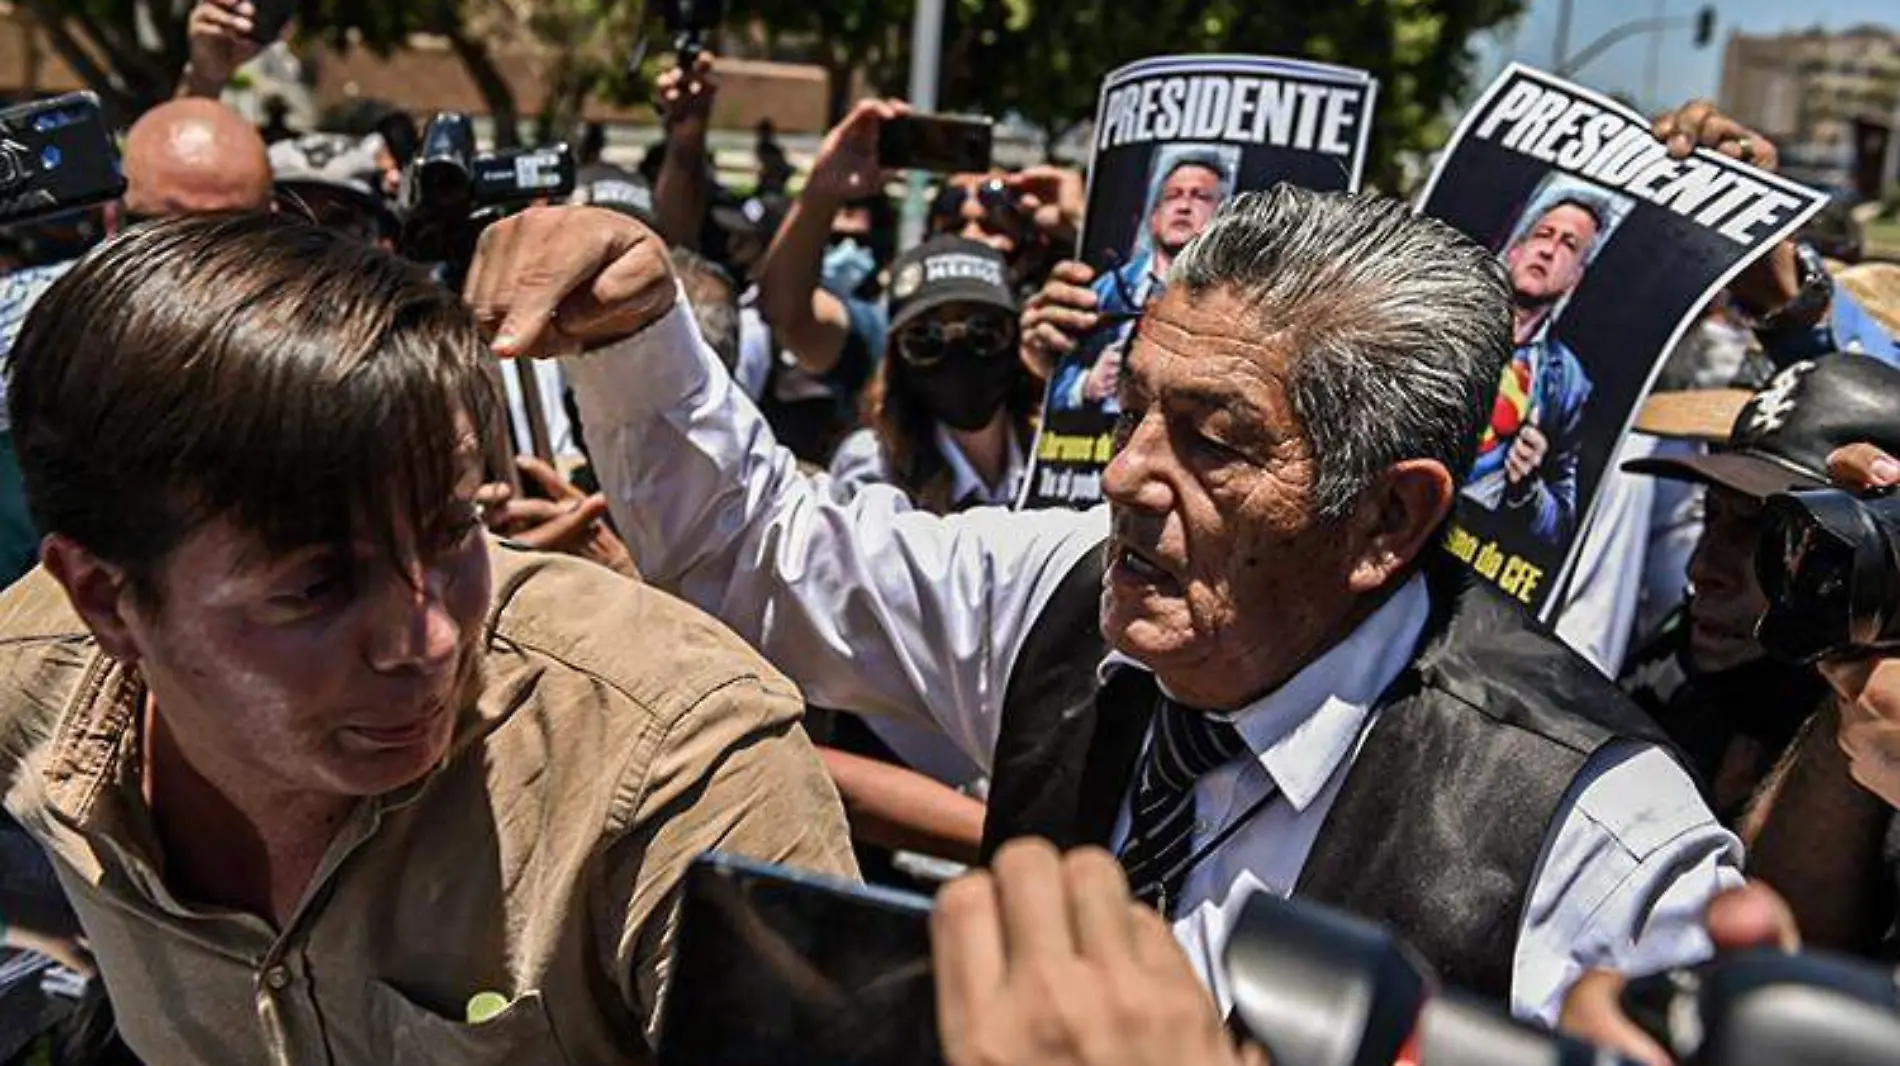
[{"x": 1817, "y": 93}]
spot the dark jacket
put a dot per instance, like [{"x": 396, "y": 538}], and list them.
[{"x": 1438, "y": 827}]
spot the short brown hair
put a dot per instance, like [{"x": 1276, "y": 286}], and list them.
[{"x": 301, "y": 382}]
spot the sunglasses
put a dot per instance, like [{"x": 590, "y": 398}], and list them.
[
  {"x": 1002, "y": 209},
  {"x": 926, "y": 343}
]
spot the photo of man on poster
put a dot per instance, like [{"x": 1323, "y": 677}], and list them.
[
  {"x": 1189, "y": 183},
  {"x": 1528, "y": 457}
]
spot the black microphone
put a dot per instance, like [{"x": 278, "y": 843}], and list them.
[
  {"x": 1763, "y": 1007},
  {"x": 1319, "y": 987}
]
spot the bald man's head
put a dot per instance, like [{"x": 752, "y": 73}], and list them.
[{"x": 195, "y": 157}]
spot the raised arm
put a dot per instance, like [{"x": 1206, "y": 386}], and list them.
[
  {"x": 679, "y": 194},
  {"x": 810, "y": 322},
  {"x": 869, "y": 605}
]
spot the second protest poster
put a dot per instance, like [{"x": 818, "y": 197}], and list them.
[
  {"x": 1611, "y": 247},
  {"x": 1175, "y": 137}
]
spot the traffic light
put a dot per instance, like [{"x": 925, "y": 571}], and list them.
[{"x": 1705, "y": 25}]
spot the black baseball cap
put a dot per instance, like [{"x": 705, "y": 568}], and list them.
[
  {"x": 946, "y": 270},
  {"x": 1780, "y": 438},
  {"x": 757, "y": 216},
  {"x": 617, "y": 190},
  {"x": 331, "y": 162}
]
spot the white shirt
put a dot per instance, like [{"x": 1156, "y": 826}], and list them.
[
  {"x": 871, "y": 605},
  {"x": 1598, "y": 616},
  {"x": 860, "y": 461},
  {"x": 755, "y": 346}
]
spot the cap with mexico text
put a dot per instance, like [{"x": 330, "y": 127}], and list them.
[
  {"x": 945, "y": 270},
  {"x": 1778, "y": 439}
]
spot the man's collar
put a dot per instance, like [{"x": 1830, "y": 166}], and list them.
[
  {"x": 1541, "y": 335},
  {"x": 1304, "y": 730}
]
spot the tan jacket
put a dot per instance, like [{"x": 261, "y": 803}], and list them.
[{"x": 619, "y": 733}]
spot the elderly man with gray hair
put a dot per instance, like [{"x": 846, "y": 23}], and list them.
[{"x": 1250, "y": 670}]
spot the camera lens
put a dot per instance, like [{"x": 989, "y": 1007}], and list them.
[{"x": 1829, "y": 569}]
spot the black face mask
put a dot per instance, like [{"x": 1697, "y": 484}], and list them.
[{"x": 964, "y": 392}]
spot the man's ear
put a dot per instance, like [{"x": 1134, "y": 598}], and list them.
[
  {"x": 1397, "y": 517},
  {"x": 97, "y": 590}
]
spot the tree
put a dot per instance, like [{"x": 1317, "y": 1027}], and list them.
[
  {"x": 843, "y": 37},
  {"x": 1044, "y": 59},
  {"x": 577, "y": 48},
  {"x": 1047, "y": 62},
  {"x": 131, "y": 52}
]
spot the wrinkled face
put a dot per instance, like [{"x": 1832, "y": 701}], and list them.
[
  {"x": 1728, "y": 601},
  {"x": 329, "y": 670},
  {"x": 1548, "y": 261},
  {"x": 1218, "y": 565},
  {"x": 1188, "y": 200}
]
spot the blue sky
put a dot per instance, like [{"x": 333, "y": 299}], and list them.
[{"x": 1682, "y": 71}]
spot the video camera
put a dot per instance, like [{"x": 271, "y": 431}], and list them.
[
  {"x": 56, "y": 155},
  {"x": 1829, "y": 564},
  {"x": 451, "y": 192},
  {"x": 1317, "y": 987},
  {"x": 781, "y": 967},
  {"x": 1763, "y": 1007},
  {"x": 689, "y": 21}
]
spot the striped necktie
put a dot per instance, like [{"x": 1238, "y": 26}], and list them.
[{"x": 1185, "y": 745}]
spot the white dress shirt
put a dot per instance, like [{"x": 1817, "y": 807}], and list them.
[
  {"x": 860, "y": 461},
  {"x": 873, "y": 606},
  {"x": 1598, "y": 616}
]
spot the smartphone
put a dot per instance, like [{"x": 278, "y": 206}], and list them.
[
  {"x": 946, "y": 144},
  {"x": 269, "y": 17},
  {"x": 56, "y": 155},
  {"x": 777, "y": 967}
]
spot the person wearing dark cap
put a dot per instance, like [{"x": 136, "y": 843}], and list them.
[
  {"x": 948, "y": 416},
  {"x": 1704, "y": 677},
  {"x": 618, "y": 190},
  {"x": 950, "y": 412}
]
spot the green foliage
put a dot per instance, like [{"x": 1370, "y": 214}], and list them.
[
  {"x": 131, "y": 52},
  {"x": 1044, "y": 59}
]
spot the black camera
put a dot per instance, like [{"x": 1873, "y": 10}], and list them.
[
  {"x": 56, "y": 155},
  {"x": 1761, "y": 1007},
  {"x": 1318, "y": 987},
  {"x": 1829, "y": 564},
  {"x": 689, "y": 21},
  {"x": 450, "y": 191}
]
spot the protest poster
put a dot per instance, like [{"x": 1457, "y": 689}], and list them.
[
  {"x": 1174, "y": 138},
  {"x": 1612, "y": 249}
]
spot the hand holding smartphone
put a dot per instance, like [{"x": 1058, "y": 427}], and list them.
[
  {"x": 945, "y": 144},
  {"x": 269, "y": 17}
]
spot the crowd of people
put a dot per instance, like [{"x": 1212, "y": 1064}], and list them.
[{"x": 321, "y": 725}]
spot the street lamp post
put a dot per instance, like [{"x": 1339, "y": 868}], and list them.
[
  {"x": 926, "y": 56},
  {"x": 1703, "y": 21}
]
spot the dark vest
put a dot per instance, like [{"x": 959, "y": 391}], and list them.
[{"x": 1437, "y": 829}]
